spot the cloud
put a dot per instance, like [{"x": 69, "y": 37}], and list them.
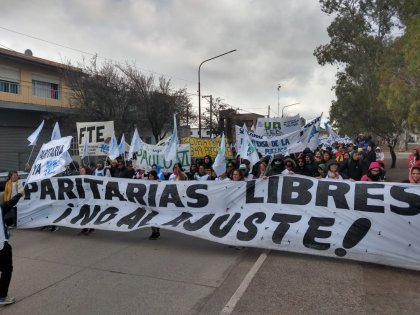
[{"x": 275, "y": 41}]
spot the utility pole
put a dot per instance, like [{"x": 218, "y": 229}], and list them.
[
  {"x": 268, "y": 116},
  {"x": 278, "y": 100},
  {"x": 211, "y": 113}
]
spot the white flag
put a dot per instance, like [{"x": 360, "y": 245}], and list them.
[
  {"x": 248, "y": 150},
  {"x": 34, "y": 136},
  {"x": 85, "y": 151},
  {"x": 56, "y": 134},
  {"x": 113, "y": 151},
  {"x": 219, "y": 165},
  {"x": 50, "y": 160},
  {"x": 121, "y": 146},
  {"x": 170, "y": 150},
  {"x": 135, "y": 144}
]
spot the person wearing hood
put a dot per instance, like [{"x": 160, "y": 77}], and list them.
[
  {"x": 374, "y": 173},
  {"x": 380, "y": 156},
  {"x": 321, "y": 172},
  {"x": 277, "y": 167},
  {"x": 302, "y": 168},
  {"x": 413, "y": 176}
]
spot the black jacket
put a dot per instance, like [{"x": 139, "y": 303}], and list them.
[{"x": 8, "y": 206}]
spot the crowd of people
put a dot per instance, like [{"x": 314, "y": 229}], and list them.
[{"x": 362, "y": 161}]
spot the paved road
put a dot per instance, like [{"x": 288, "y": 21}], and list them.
[{"x": 125, "y": 273}]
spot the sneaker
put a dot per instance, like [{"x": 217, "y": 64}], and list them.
[
  {"x": 7, "y": 300},
  {"x": 54, "y": 228}
]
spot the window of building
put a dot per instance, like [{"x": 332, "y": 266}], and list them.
[
  {"x": 9, "y": 87},
  {"x": 45, "y": 86},
  {"x": 9, "y": 79}
]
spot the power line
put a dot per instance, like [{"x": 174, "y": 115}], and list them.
[{"x": 110, "y": 59}]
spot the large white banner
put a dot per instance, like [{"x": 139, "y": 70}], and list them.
[
  {"x": 51, "y": 159},
  {"x": 293, "y": 142},
  {"x": 372, "y": 222},
  {"x": 155, "y": 154},
  {"x": 277, "y": 126},
  {"x": 97, "y": 135}
]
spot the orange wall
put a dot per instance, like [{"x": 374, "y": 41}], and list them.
[{"x": 25, "y": 92}]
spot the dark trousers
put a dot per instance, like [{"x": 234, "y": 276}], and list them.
[{"x": 6, "y": 268}]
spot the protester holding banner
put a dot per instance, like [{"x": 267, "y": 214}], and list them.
[
  {"x": 290, "y": 166},
  {"x": 152, "y": 175},
  {"x": 302, "y": 168},
  {"x": 178, "y": 173},
  {"x": 207, "y": 163},
  {"x": 6, "y": 260},
  {"x": 83, "y": 170},
  {"x": 277, "y": 166},
  {"x": 414, "y": 176},
  {"x": 101, "y": 170},
  {"x": 355, "y": 167},
  {"x": 332, "y": 170},
  {"x": 374, "y": 173},
  {"x": 201, "y": 174},
  {"x": 11, "y": 189},
  {"x": 237, "y": 176}
]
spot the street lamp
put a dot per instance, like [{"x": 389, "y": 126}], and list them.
[
  {"x": 282, "y": 110},
  {"x": 278, "y": 99},
  {"x": 199, "y": 89}
]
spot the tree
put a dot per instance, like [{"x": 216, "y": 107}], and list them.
[
  {"x": 360, "y": 35},
  {"x": 217, "y": 106},
  {"x": 131, "y": 99},
  {"x": 100, "y": 94},
  {"x": 156, "y": 104}
]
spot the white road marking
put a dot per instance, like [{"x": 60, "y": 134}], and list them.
[{"x": 230, "y": 306}]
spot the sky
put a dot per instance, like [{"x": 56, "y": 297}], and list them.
[{"x": 274, "y": 39}]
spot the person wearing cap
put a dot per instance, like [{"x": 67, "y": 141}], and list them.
[
  {"x": 374, "y": 173},
  {"x": 246, "y": 175},
  {"x": 332, "y": 170}
]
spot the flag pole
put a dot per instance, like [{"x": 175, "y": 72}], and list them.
[{"x": 30, "y": 155}]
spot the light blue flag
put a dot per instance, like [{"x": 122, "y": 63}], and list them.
[
  {"x": 56, "y": 134},
  {"x": 136, "y": 144},
  {"x": 121, "y": 146},
  {"x": 34, "y": 136},
  {"x": 171, "y": 146},
  {"x": 219, "y": 165},
  {"x": 113, "y": 151},
  {"x": 85, "y": 151}
]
